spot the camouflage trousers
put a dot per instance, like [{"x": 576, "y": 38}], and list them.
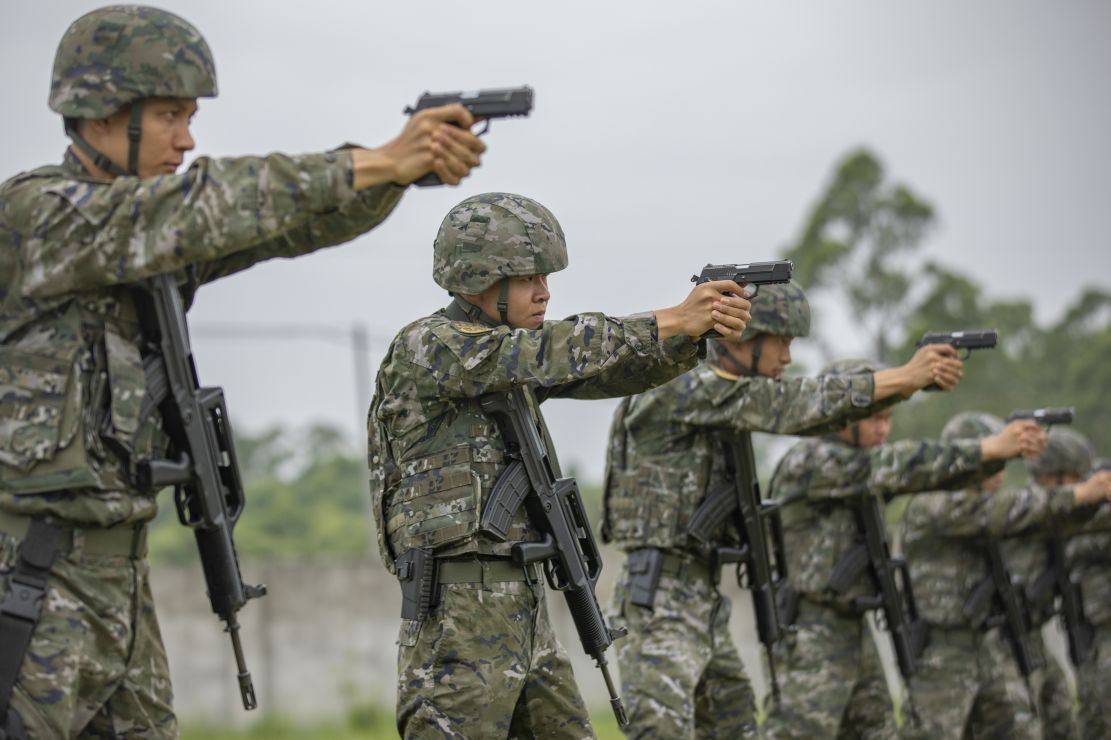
[
  {"x": 831, "y": 680},
  {"x": 968, "y": 686},
  {"x": 1051, "y": 690},
  {"x": 1094, "y": 682},
  {"x": 681, "y": 675},
  {"x": 95, "y": 667},
  {"x": 485, "y": 663}
]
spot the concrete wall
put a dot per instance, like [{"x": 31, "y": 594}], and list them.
[{"x": 325, "y": 638}]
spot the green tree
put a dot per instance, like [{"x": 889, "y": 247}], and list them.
[{"x": 857, "y": 242}]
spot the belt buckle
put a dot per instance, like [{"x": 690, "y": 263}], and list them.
[{"x": 24, "y": 598}]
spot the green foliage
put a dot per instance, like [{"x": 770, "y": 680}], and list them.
[
  {"x": 856, "y": 241},
  {"x": 320, "y": 510}
]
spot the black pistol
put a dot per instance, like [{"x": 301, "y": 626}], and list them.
[{"x": 503, "y": 102}]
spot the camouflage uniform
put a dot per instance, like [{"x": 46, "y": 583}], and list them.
[
  {"x": 1028, "y": 557},
  {"x": 832, "y": 683},
  {"x": 72, "y": 421},
  {"x": 485, "y": 662},
  {"x": 681, "y": 674},
  {"x": 1088, "y": 552},
  {"x": 944, "y": 533}
]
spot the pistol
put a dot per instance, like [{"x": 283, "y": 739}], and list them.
[
  {"x": 503, "y": 102},
  {"x": 1048, "y": 417},
  {"x": 752, "y": 274},
  {"x": 966, "y": 340}
]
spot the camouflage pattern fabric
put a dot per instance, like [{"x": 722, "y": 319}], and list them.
[
  {"x": 95, "y": 666},
  {"x": 435, "y": 455},
  {"x": 496, "y": 235},
  {"x": 486, "y": 664},
  {"x": 815, "y": 479},
  {"x": 831, "y": 680},
  {"x": 681, "y": 675},
  {"x": 1093, "y": 679},
  {"x": 1051, "y": 691},
  {"x": 968, "y": 686},
  {"x": 664, "y": 451},
  {"x": 70, "y": 249},
  {"x": 113, "y": 56}
]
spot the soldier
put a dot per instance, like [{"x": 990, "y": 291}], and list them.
[
  {"x": 833, "y": 682},
  {"x": 680, "y": 670},
  {"x": 969, "y": 682},
  {"x": 74, "y": 239},
  {"x": 483, "y": 662},
  {"x": 1067, "y": 460},
  {"x": 1088, "y": 559}
]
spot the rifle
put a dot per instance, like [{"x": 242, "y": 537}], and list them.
[
  {"x": 1056, "y": 580},
  {"x": 572, "y": 562},
  {"x": 503, "y": 102},
  {"x": 739, "y": 499},
  {"x": 899, "y": 610},
  {"x": 966, "y": 340},
  {"x": 204, "y": 471},
  {"x": 753, "y": 274},
  {"x": 1007, "y": 610}
]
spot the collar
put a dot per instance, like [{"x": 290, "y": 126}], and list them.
[{"x": 461, "y": 310}]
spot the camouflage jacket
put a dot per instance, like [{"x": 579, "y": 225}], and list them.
[
  {"x": 1027, "y": 553},
  {"x": 943, "y": 534},
  {"x": 817, "y": 481},
  {"x": 71, "y": 250},
  {"x": 665, "y": 445},
  {"x": 1089, "y": 557},
  {"x": 434, "y": 455}
]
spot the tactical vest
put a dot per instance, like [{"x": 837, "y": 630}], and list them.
[
  {"x": 435, "y": 501},
  {"x": 648, "y": 501},
  {"x": 71, "y": 410}
]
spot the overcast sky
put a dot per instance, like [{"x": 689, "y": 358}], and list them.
[{"x": 664, "y": 136}]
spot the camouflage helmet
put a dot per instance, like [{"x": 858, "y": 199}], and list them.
[
  {"x": 493, "y": 236},
  {"x": 1067, "y": 452},
  {"x": 116, "y": 55},
  {"x": 780, "y": 309},
  {"x": 971, "y": 425},
  {"x": 851, "y": 366}
]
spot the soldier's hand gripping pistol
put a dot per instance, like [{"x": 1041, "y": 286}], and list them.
[
  {"x": 572, "y": 562},
  {"x": 485, "y": 105},
  {"x": 966, "y": 340},
  {"x": 752, "y": 275},
  {"x": 203, "y": 470}
]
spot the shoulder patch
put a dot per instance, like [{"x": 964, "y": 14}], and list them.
[{"x": 465, "y": 327}]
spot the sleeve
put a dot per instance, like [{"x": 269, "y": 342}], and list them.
[
  {"x": 805, "y": 406},
  {"x": 589, "y": 353},
  {"x": 86, "y": 235},
  {"x": 912, "y": 466},
  {"x": 368, "y": 209}
]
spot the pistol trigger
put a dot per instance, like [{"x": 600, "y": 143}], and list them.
[
  {"x": 485, "y": 127},
  {"x": 967, "y": 355}
]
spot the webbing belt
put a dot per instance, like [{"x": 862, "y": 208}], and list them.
[{"x": 482, "y": 571}]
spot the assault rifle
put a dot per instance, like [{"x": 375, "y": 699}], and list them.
[
  {"x": 208, "y": 491},
  {"x": 966, "y": 340},
  {"x": 738, "y": 500},
  {"x": 753, "y": 274},
  {"x": 897, "y": 606},
  {"x": 572, "y": 562},
  {"x": 484, "y": 105},
  {"x": 1055, "y": 581},
  {"x": 998, "y": 596}
]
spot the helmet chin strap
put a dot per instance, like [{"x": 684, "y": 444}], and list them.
[
  {"x": 100, "y": 160},
  {"x": 725, "y": 357},
  {"x": 503, "y": 301}
]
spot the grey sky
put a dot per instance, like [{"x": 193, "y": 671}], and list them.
[{"x": 664, "y": 137}]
